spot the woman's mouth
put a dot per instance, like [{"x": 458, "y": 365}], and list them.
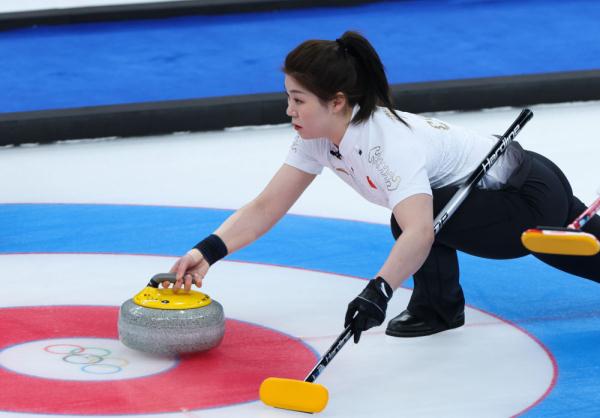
[{"x": 297, "y": 127}]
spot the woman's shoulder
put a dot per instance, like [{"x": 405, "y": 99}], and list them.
[
  {"x": 387, "y": 124},
  {"x": 397, "y": 118}
]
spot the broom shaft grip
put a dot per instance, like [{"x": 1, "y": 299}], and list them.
[{"x": 585, "y": 216}]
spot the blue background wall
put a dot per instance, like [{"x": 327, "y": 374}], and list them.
[{"x": 78, "y": 65}]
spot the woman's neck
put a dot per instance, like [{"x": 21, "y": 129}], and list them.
[{"x": 340, "y": 126}]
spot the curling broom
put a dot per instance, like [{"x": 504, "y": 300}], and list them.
[{"x": 564, "y": 241}]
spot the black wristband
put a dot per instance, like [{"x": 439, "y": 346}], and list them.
[{"x": 212, "y": 248}]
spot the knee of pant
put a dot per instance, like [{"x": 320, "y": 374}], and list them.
[{"x": 542, "y": 207}]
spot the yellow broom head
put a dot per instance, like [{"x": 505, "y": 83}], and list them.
[
  {"x": 560, "y": 242},
  {"x": 295, "y": 395}
]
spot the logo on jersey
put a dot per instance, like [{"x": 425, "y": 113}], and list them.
[
  {"x": 437, "y": 124},
  {"x": 392, "y": 181}
]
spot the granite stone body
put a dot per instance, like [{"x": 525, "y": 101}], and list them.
[{"x": 162, "y": 331}]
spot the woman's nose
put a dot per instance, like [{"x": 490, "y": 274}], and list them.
[{"x": 290, "y": 111}]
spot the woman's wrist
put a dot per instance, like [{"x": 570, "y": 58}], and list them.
[
  {"x": 212, "y": 249},
  {"x": 195, "y": 254}
]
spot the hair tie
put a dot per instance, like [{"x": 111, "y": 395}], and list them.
[{"x": 343, "y": 46}]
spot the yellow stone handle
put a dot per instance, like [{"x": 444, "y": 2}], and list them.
[{"x": 157, "y": 279}]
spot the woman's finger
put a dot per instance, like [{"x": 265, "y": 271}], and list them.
[{"x": 187, "y": 285}]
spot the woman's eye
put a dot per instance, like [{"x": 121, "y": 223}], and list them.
[{"x": 297, "y": 101}]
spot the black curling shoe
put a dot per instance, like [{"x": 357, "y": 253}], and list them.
[{"x": 408, "y": 325}]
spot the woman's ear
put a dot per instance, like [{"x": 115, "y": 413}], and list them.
[{"x": 339, "y": 102}]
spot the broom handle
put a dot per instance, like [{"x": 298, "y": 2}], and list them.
[
  {"x": 329, "y": 355},
  {"x": 585, "y": 216},
  {"x": 440, "y": 220}
]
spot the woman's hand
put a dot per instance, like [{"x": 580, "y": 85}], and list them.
[
  {"x": 367, "y": 310},
  {"x": 192, "y": 267}
]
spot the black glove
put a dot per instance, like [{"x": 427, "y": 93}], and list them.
[{"x": 368, "y": 309}]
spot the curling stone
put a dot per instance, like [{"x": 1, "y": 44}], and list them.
[{"x": 159, "y": 321}]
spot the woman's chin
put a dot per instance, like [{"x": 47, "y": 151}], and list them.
[{"x": 304, "y": 135}]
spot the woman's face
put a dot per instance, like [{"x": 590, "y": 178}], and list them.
[{"x": 311, "y": 118}]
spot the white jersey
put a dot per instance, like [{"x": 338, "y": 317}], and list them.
[{"x": 386, "y": 161}]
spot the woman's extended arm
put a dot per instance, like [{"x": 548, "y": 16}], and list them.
[
  {"x": 415, "y": 218},
  {"x": 248, "y": 223},
  {"x": 255, "y": 218}
]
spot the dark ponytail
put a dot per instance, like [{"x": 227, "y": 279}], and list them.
[{"x": 349, "y": 65}]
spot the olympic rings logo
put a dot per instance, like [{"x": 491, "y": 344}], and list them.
[{"x": 93, "y": 360}]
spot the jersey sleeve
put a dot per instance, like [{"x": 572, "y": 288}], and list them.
[
  {"x": 418, "y": 184},
  {"x": 301, "y": 156}
]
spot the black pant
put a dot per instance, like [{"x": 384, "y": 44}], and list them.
[{"x": 489, "y": 224}]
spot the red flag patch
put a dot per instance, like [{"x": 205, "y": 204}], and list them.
[{"x": 371, "y": 183}]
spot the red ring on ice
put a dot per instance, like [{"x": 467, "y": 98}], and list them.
[{"x": 224, "y": 376}]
